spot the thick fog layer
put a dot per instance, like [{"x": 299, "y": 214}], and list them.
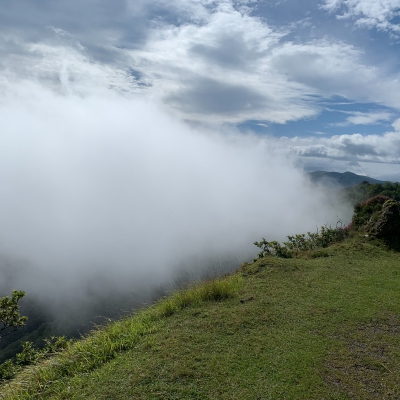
[{"x": 109, "y": 192}]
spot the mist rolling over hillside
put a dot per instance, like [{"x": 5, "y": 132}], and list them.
[
  {"x": 105, "y": 193},
  {"x": 145, "y": 143}
]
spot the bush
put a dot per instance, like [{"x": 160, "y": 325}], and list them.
[
  {"x": 8, "y": 369},
  {"x": 31, "y": 355},
  {"x": 10, "y": 319},
  {"x": 298, "y": 243},
  {"x": 367, "y": 211}
]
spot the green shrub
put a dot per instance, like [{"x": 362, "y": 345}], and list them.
[
  {"x": 31, "y": 355},
  {"x": 301, "y": 242},
  {"x": 8, "y": 369},
  {"x": 28, "y": 355},
  {"x": 368, "y": 210},
  {"x": 10, "y": 319}
]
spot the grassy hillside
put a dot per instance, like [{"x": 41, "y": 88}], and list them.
[{"x": 324, "y": 325}]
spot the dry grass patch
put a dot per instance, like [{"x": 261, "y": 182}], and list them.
[{"x": 366, "y": 363}]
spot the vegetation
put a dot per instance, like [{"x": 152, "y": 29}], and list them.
[
  {"x": 31, "y": 355},
  {"x": 10, "y": 319},
  {"x": 344, "y": 179},
  {"x": 316, "y": 317},
  {"x": 300, "y": 243},
  {"x": 363, "y": 191},
  {"x": 104, "y": 344},
  {"x": 320, "y": 326},
  {"x": 368, "y": 210}
]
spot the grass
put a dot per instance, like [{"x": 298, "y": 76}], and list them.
[{"x": 325, "y": 325}]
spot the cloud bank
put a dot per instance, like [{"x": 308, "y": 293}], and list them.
[
  {"x": 107, "y": 191},
  {"x": 209, "y": 62},
  {"x": 355, "y": 147}
]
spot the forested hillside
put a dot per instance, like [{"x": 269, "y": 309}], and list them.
[{"x": 364, "y": 190}]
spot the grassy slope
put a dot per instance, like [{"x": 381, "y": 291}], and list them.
[{"x": 317, "y": 328}]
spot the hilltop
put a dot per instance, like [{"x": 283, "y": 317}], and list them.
[
  {"x": 341, "y": 179},
  {"x": 320, "y": 324}
]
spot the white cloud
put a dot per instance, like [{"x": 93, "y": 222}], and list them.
[
  {"x": 65, "y": 68},
  {"x": 216, "y": 72},
  {"x": 252, "y": 73},
  {"x": 220, "y": 70},
  {"x": 330, "y": 68},
  {"x": 396, "y": 125},
  {"x": 207, "y": 61},
  {"x": 104, "y": 186},
  {"x": 364, "y": 118},
  {"x": 351, "y": 147},
  {"x": 369, "y": 13},
  {"x": 360, "y": 118}
]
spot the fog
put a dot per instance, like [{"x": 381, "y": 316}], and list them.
[{"x": 109, "y": 194}]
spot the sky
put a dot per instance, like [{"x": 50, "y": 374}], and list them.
[
  {"x": 145, "y": 139},
  {"x": 318, "y": 79}
]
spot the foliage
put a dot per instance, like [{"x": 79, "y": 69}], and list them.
[
  {"x": 368, "y": 210},
  {"x": 10, "y": 319},
  {"x": 323, "y": 328},
  {"x": 107, "y": 342},
  {"x": 390, "y": 189},
  {"x": 387, "y": 224},
  {"x": 301, "y": 242},
  {"x": 363, "y": 191},
  {"x": 8, "y": 369},
  {"x": 31, "y": 355}
]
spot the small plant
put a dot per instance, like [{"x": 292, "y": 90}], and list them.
[
  {"x": 31, "y": 355},
  {"x": 28, "y": 354},
  {"x": 54, "y": 344},
  {"x": 8, "y": 369}
]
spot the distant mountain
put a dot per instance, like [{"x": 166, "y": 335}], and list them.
[{"x": 342, "y": 179}]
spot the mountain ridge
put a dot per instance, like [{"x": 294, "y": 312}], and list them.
[{"x": 342, "y": 179}]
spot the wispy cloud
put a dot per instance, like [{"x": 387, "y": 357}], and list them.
[
  {"x": 364, "y": 118},
  {"x": 212, "y": 62},
  {"x": 377, "y": 14}
]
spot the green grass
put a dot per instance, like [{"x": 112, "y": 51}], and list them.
[{"x": 323, "y": 326}]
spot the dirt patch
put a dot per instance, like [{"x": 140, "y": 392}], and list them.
[{"x": 366, "y": 362}]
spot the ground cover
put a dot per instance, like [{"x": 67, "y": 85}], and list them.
[{"x": 324, "y": 325}]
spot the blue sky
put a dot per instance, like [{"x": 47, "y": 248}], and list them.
[{"x": 319, "y": 80}]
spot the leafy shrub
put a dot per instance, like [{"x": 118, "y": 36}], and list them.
[
  {"x": 8, "y": 369},
  {"x": 366, "y": 211},
  {"x": 386, "y": 224},
  {"x": 30, "y": 355},
  {"x": 302, "y": 242},
  {"x": 10, "y": 319},
  {"x": 54, "y": 344}
]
